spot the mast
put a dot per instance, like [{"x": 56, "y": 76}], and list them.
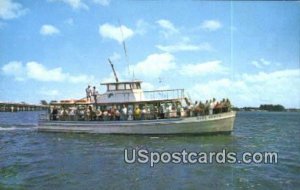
[{"x": 112, "y": 66}]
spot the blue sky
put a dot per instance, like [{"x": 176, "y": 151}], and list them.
[{"x": 246, "y": 51}]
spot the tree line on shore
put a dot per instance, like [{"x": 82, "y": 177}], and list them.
[{"x": 263, "y": 107}]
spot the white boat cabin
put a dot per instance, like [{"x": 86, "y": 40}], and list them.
[
  {"x": 121, "y": 92},
  {"x": 125, "y": 92}
]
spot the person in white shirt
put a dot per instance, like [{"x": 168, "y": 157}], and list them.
[
  {"x": 144, "y": 113},
  {"x": 94, "y": 94},
  {"x": 72, "y": 114},
  {"x": 88, "y": 93},
  {"x": 211, "y": 107},
  {"x": 124, "y": 113},
  {"x": 130, "y": 113}
]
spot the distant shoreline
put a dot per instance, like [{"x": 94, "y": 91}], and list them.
[
  {"x": 259, "y": 110},
  {"x": 267, "y": 108}
]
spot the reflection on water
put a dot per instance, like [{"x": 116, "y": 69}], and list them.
[{"x": 33, "y": 160}]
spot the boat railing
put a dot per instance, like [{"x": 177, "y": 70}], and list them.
[{"x": 164, "y": 94}]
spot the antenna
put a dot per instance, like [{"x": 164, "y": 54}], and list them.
[
  {"x": 125, "y": 50},
  {"x": 112, "y": 66}
]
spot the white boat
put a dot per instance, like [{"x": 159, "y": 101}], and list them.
[
  {"x": 209, "y": 124},
  {"x": 162, "y": 113},
  {"x": 131, "y": 95}
]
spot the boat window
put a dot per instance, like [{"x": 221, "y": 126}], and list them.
[
  {"x": 121, "y": 86},
  {"x": 133, "y": 86},
  {"x": 127, "y": 86},
  {"x": 111, "y": 87},
  {"x": 138, "y": 86}
]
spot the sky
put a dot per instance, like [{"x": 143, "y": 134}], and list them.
[{"x": 246, "y": 51}]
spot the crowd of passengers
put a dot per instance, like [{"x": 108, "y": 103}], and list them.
[{"x": 139, "y": 112}]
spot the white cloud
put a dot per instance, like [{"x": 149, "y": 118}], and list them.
[
  {"x": 185, "y": 47},
  {"x": 211, "y": 25},
  {"x": 49, "y": 30},
  {"x": 102, "y": 2},
  {"x": 14, "y": 68},
  {"x": 166, "y": 24},
  {"x": 114, "y": 32},
  {"x": 75, "y": 4},
  {"x": 36, "y": 71},
  {"x": 80, "y": 4},
  {"x": 279, "y": 87},
  {"x": 260, "y": 63},
  {"x": 39, "y": 72},
  {"x": 262, "y": 76},
  {"x": 154, "y": 65},
  {"x": 239, "y": 93},
  {"x": 10, "y": 9},
  {"x": 205, "y": 68},
  {"x": 168, "y": 28}
]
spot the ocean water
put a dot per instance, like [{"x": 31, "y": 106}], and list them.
[{"x": 36, "y": 160}]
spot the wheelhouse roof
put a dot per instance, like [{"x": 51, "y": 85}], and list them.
[
  {"x": 139, "y": 102},
  {"x": 125, "y": 82}
]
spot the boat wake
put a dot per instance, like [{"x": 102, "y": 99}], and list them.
[{"x": 18, "y": 128}]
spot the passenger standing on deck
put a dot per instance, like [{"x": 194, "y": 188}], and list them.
[
  {"x": 88, "y": 93},
  {"x": 54, "y": 113},
  {"x": 178, "y": 110},
  {"x": 211, "y": 107},
  {"x": 72, "y": 114},
  {"x": 206, "y": 110},
  {"x": 87, "y": 114},
  {"x": 143, "y": 113},
  {"x": 94, "y": 94},
  {"x": 124, "y": 113},
  {"x": 137, "y": 113},
  {"x": 105, "y": 115},
  {"x": 99, "y": 114},
  {"x": 214, "y": 105},
  {"x": 228, "y": 105},
  {"x": 161, "y": 112},
  {"x": 92, "y": 113},
  {"x": 117, "y": 114},
  {"x": 202, "y": 108},
  {"x": 130, "y": 113}
]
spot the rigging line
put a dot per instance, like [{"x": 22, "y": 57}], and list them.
[
  {"x": 231, "y": 40},
  {"x": 125, "y": 50}
]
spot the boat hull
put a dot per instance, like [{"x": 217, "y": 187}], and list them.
[{"x": 217, "y": 123}]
